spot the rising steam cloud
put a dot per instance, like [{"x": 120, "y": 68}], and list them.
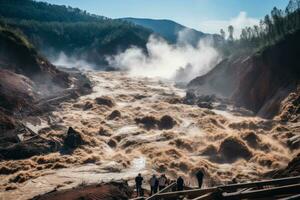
[
  {"x": 180, "y": 62},
  {"x": 71, "y": 62}
]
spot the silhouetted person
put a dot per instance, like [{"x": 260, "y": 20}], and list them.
[
  {"x": 174, "y": 188},
  {"x": 153, "y": 184},
  {"x": 180, "y": 183},
  {"x": 162, "y": 182},
  {"x": 234, "y": 181},
  {"x": 200, "y": 176},
  {"x": 138, "y": 183}
]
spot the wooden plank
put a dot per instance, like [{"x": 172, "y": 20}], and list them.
[
  {"x": 191, "y": 193},
  {"x": 277, "y": 182},
  {"x": 208, "y": 196},
  {"x": 269, "y": 192},
  {"x": 162, "y": 191},
  {"x": 166, "y": 188},
  {"x": 138, "y": 198},
  {"x": 295, "y": 197},
  {"x": 198, "y": 192}
]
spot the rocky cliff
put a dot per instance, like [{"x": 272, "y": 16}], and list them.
[
  {"x": 25, "y": 79},
  {"x": 260, "y": 81},
  {"x": 25, "y": 75}
]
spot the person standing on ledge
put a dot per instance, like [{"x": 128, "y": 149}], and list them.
[
  {"x": 162, "y": 181},
  {"x": 200, "y": 176},
  {"x": 153, "y": 184},
  {"x": 138, "y": 183},
  {"x": 180, "y": 183}
]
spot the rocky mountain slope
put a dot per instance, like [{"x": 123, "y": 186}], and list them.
[
  {"x": 25, "y": 74},
  {"x": 260, "y": 81},
  {"x": 29, "y": 85}
]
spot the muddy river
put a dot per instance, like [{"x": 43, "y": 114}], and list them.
[{"x": 223, "y": 144}]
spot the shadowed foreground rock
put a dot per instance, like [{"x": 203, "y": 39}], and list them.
[
  {"x": 14, "y": 146},
  {"x": 107, "y": 191}
]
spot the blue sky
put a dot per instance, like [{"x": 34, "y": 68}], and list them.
[{"x": 205, "y": 15}]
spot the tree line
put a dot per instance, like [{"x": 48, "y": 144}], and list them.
[{"x": 272, "y": 28}]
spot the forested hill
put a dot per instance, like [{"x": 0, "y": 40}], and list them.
[
  {"x": 55, "y": 29},
  {"x": 41, "y": 11},
  {"x": 168, "y": 29}
]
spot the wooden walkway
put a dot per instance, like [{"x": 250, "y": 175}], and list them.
[{"x": 283, "y": 189}]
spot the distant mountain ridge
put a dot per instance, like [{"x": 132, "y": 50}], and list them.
[
  {"x": 168, "y": 29},
  {"x": 57, "y": 28}
]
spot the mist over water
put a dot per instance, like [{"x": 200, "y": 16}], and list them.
[
  {"x": 180, "y": 62},
  {"x": 71, "y": 62}
]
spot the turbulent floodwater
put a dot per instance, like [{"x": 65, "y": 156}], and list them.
[{"x": 120, "y": 148}]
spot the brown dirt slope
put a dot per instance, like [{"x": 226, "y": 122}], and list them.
[
  {"x": 109, "y": 191},
  {"x": 24, "y": 73},
  {"x": 259, "y": 82}
]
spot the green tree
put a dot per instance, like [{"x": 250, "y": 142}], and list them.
[
  {"x": 230, "y": 31},
  {"x": 223, "y": 34}
]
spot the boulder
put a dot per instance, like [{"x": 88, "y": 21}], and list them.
[
  {"x": 88, "y": 105},
  {"x": 106, "y": 101},
  {"x": 207, "y": 105},
  {"x": 104, "y": 132},
  {"x": 114, "y": 114},
  {"x": 166, "y": 122},
  {"x": 73, "y": 139},
  {"x": 112, "y": 143},
  {"x": 148, "y": 121}
]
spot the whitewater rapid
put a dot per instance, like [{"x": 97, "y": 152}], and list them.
[{"x": 120, "y": 148}]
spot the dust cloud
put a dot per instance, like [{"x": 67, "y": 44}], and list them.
[{"x": 180, "y": 62}]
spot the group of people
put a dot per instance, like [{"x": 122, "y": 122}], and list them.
[{"x": 159, "y": 183}]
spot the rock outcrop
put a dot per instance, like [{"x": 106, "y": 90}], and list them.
[
  {"x": 25, "y": 76},
  {"x": 260, "y": 81},
  {"x": 289, "y": 109},
  {"x": 73, "y": 139},
  {"x": 292, "y": 169}
]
